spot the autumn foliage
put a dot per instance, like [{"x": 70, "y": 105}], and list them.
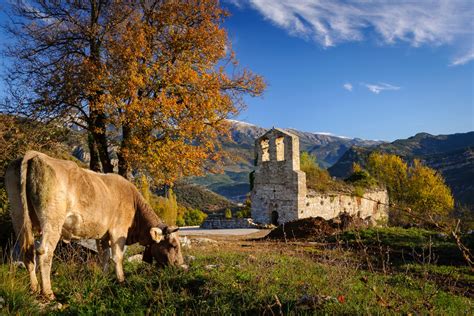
[
  {"x": 417, "y": 188},
  {"x": 155, "y": 80}
]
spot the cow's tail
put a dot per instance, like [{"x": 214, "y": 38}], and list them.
[{"x": 25, "y": 235}]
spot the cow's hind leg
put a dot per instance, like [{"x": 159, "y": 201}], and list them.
[
  {"x": 30, "y": 263},
  {"x": 45, "y": 251},
  {"x": 103, "y": 249},
  {"x": 118, "y": 245}
]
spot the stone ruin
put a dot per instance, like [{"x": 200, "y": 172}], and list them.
[{"x": 279, "y": 193}]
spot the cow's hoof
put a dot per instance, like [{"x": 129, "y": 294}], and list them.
[
  {"x": 35, "y": 288},
  {"x": 49, "y": 296}
]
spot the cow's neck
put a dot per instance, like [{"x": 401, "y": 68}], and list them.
[{"x": 144, "y": 219}]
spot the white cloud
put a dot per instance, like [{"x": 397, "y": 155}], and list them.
[
  {"x": 330, "y": 22},
  {"x": 348, "y": 86},
  {"x": 464, "y": 59},
  {"x": 379, "y": 87},
  {"x": 330, "y": 134}
]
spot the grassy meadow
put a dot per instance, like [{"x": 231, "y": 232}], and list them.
[{"x": 243, "y": 276}]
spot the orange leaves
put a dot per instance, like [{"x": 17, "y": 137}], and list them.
[{"x": 159, "y": 72}]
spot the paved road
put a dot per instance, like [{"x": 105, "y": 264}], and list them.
[{"x": 194, "y": 231}]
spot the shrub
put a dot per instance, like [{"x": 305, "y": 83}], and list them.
[
  {"x": 228, "y": 213},
  {"x": 316, "y": 178},
  {"x": 194, "y": 217},
  {"x": 358, "y": 191},
  {"x": 245, "y": 212},
  {"x": 180, "y": 221},
  {"x": 361, "y": 178}
]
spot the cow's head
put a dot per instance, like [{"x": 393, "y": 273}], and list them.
[{"x": 165, "y": 248}]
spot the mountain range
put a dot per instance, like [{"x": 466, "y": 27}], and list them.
[
  {"x": 451, "y": 155},
  {"x": 234, "y": 182}
]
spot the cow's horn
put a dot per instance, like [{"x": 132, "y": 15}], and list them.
[{"x": 156, "y": 234}]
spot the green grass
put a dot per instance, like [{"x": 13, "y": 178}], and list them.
[
  {"x": 407, "y": 245},
  {"x": 230, "y": 282}
]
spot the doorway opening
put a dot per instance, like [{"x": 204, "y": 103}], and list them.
[{"x": 275, "y": 218}]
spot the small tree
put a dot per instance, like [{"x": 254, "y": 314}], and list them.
[
  {"x": 417, "y": 187},
  {"x": 228, "y": 213},
  {"x": 427, "y": 194},
  {"x": 391, "y": 171}
]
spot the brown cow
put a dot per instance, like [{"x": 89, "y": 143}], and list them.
[{"x": 61, "y": 200}]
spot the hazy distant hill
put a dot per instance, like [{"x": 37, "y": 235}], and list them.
[
  {"x": 452, "y": 155},
  {"x": 234, "y": 183}
]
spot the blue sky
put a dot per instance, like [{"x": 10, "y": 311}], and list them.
[
  {"x": 370, "y": 69},
  {"x": 373, "y": 69}
]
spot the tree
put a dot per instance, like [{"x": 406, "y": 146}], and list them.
[
  {"x": 391, "y": 171},
  {"x": 58, "y": 68},
  {"x": 418, "y": 188},
  {"x": 156, "y": 73},
  {"x": 427, "y": 194}
]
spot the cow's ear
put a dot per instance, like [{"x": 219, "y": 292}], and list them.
[
  {"x": 156, "y": 234},
  {"x": 171, "y": 229}
]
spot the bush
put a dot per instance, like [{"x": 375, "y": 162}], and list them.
[
  {"x": 361, "y": 178},
  {"x": 180, "y": 221},
  {"x": 228, "y": 213},
  {"x": 316, "y": 178},
  {"x": 358, "y": 191},
  {"x": 245, "y": 212},
  {"x": 194, "y": 217}
]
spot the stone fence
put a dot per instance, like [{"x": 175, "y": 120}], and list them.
[{"x": 223, "y": 223}]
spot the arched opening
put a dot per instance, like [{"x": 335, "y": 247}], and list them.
[
  {"x": 280, "y": 148},
  {"x": 265, "y": 144},
  {"x": 275, "y": 218}
]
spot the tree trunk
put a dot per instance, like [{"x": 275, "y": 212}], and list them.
[
  {"x": 123, "y": 163},
  {"x": 100, "y": 138},
  {"x": 98, "y": 117},
  {"x": 94, "y": 163}
]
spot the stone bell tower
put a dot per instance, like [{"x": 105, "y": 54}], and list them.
[{"x": 279, "y": 187}]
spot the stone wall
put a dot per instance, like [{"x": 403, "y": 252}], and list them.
[
  {"x": 224, "y": 223},
  {"x": 373, "y": 205},
  {"x": 279, "y": 193}
]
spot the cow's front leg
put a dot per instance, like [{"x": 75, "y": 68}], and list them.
[
  {"x": 117, "y": 255},
  {"x": 103, "y": 249},
  {"x": 48, "y": 244}
]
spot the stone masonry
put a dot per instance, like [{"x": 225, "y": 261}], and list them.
[
  {"x": 279, "y": 192},
  {"x": 279, "y": 186}
]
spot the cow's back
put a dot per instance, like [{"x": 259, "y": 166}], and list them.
[{"x": 86, "y": 204}]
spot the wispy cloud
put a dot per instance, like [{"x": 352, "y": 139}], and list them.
[
  {"x": 379, "y": 87},
  {"x": 330, "y": 22},
  {"x": 464, "y": 59},
  {"x": 348, "y": 86}
]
